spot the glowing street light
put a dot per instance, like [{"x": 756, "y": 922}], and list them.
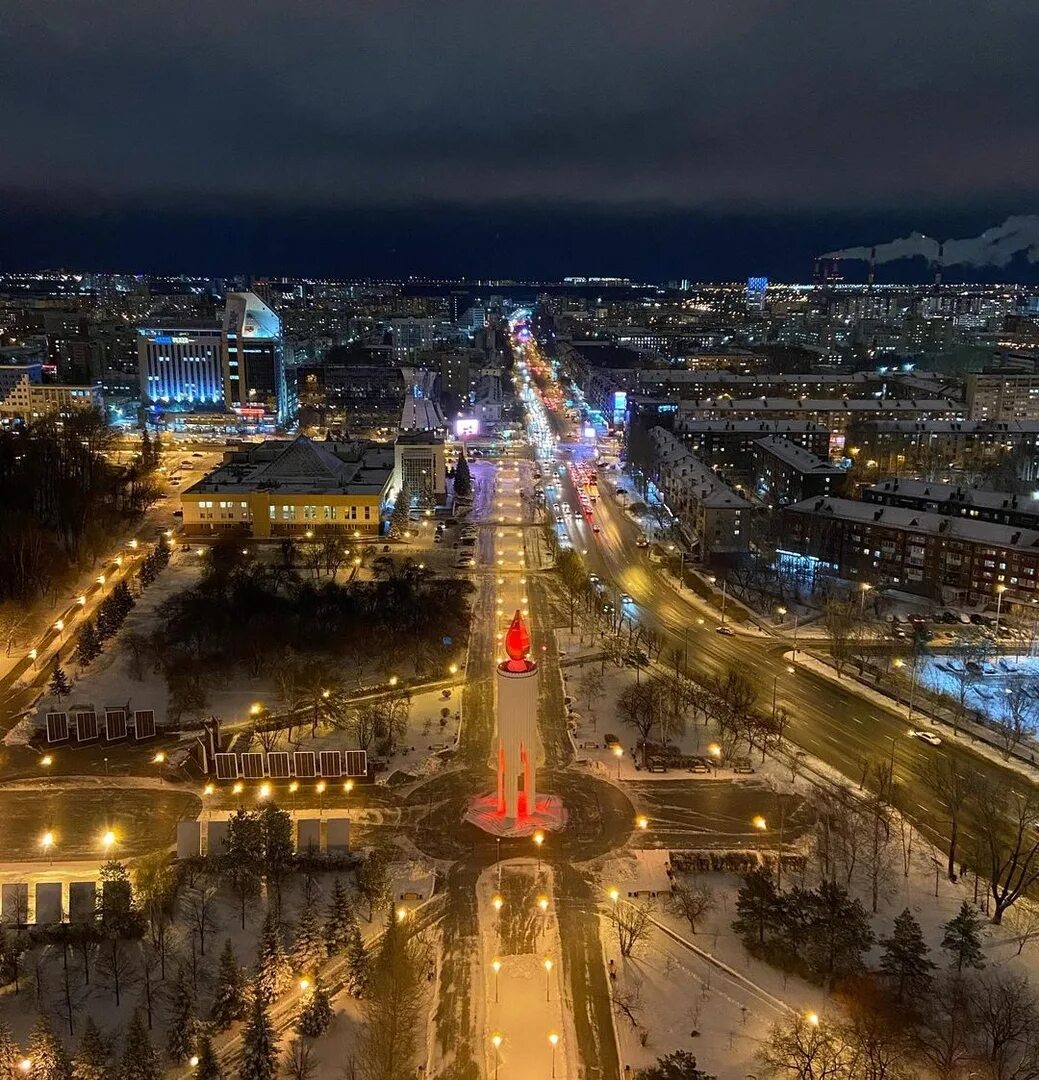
[
  {"x": 496, "y": 968},
  {"x": 759, "y": 822},
  {"x": 539, "y": 839},
  {"x": 614, "y": 894},
  {"x": 81, "y": 600},
  {"x": 553, "y": 1041},
  {"x": 108, "y": 840},
  {"x": 320, "y": 789},
  {"x": 402, "y": 914},
  {"x": 193, "y": 1061},
  {"x": 393, "y": 680},
  {"x": 496, "y": 903},
  {"x": 618, "y": 753},
  {"x": 813, "y": 1019},
  {"x": 548, "y": 978},
  {"x": 642, "y": 823},
  {"x": 304, "y": 984},
  {"x": 348, "y": 786},
  {"x": 47, "y": 760},
  {"x": 496, "y": 1041},
  {"x": 264, "y": 792},
  {"x": 453, "y": 669},
  {"x": 543, "y": 904},
  {"x": 25, "y": 1065},
  {"x": 238, "y": 788},
  {"x": 208, "y": 789},
  {"x": 47, "y": 843}
]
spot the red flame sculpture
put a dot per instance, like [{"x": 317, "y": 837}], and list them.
[{"x": 517, "y": 643}]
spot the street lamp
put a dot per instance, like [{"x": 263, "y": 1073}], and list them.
[
  {"x": 238, "y": 788},
  {"x": 614, "y": 894},
  {"x": 47, "y": 843},
  {"x": 496, "y": 903},
  {"x": 348, "y": 786},
  {"x": 539, "y": 839},
  {"x": 813, "y": 1019},
  {"x": 553, "y": 1040},
  {"x": 264, "y": 792},
  {"x": 46, "y": 760},
  {"x": 618, "y": 753},
  {"x": 496, "y": 968},
  {"x": 320, "y": 789},
  {"x": 548, "y": 978},
  {"x": 865, "y": 588},
  {"x": 759, "y": 823},
  {"x": 716, "y": 753},
  {"x": 642, "y": 823},
  {"x": 107, "y": 841},
  {"x": 293, "y": 788},
  {"x": 496, "y": 1041},
  {"x": 1000, "y": 589}
]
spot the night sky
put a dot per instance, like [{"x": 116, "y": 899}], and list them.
[{"x": 680, "y": 138}]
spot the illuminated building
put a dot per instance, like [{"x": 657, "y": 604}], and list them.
[
  {"x": 255, "y": 376},
  {"x": 181, "y": 364}
]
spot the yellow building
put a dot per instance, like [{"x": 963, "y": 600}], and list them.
[{"x": 293, "y": 487}]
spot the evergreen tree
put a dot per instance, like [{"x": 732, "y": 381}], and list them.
[
  {"x": 358, "y": 963},
  {"x": 757, "y": 906},
  {"x": 679, "y": 1065},
  {"x": 463, "y": 478},
  {"x": 839, "y": 932},
  {"x": 147, "y": 452},
  {"x": 208, "y": 1068},
  {"x": 124, "y": 598},
  {"x": 259, "y": 1042},
  {"x": 306, "y": 945},
  {"x": 92, "y": 1054},
  {"x": 273, "y": 972},
  {"x": 8, "y": 1051},
  {"x": 338, "y": 920},
  {"x": 229, "y": 1002},
  {"x": 88, "y": 647},
  {"x": 400, "y": 518},
  {"x": 315, "y": 1012},
  {"x": 46, "y": 1052},
  {"x": 904, "y": 957},
  {"x": 180, "y": 1019},
  {"x": 140, "y": 1061},
  {"x": 59, "y": 685},
  {"x": 108, "y": 618},
  {"x": 962, "y": 940}
]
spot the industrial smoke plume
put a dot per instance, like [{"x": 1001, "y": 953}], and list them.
[{"x": 994, "y": 247}]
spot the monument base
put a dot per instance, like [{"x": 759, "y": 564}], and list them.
[{"x": 549, "y": 815}]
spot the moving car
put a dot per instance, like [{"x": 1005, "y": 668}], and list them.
[
  {"x": 726, "y": 631},
  {"x": 595, "y": 528},
  {"x": 926, "y": 736},
  {"x": 642, "y": 542}
]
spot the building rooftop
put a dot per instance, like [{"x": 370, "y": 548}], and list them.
[
  {"x": 922, "y": 522},
  {"x": 302, "y": 466},
  {"x": 949, "y": 427},
  {"x": 864, "y": 406},
  {"x": 695, "y": 425},
  {"x": 712, "y": 490},
  {"x": 957, "y": 494},
  {"x": 796, "y": 456}
]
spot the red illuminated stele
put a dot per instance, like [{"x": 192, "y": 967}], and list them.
[{"x": 517, "y": 640}]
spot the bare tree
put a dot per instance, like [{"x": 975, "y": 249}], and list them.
[
  {"x": 301, "y": 1063},
  {"x": 807, "y": 1051},
  {"x": 1010, "y": 842},
  {"x": 953, "y": 790},
  {"x": 627, "y": 1000},
  {"x": 632, "y": 923},
  {"x": 1006, "y": 1015},
  {"x": 200, "y": 907},
  {"x": 1023, "y": 921},
  {"x": 841, "y": 619},
  {"x": 693, "y": 901},
  {"x": 1016, "y": 716},
  {"x": 967, "y": 654},
  {"x": 944, "y": 1036}
]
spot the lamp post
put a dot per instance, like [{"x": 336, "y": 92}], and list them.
[
  {"x": 553, "y": 1041},
  {"x": 496, "y": 968},
  {"x": 496, "y": 1041},
  {"x": 618, "y": 753},
  {"x": 1000, "y": 589},
  {"x": 548, "y": 979},
  {"x": 864, "y": 588},
  {"x": 716, "y": 752},
  {"x": 539, "y": 839},
  {"x": 47, "y": 843}
]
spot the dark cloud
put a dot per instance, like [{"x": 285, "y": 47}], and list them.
[{"x": 719, "y": 107}]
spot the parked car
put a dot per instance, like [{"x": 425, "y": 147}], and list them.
[{"x": 725, "y": 630}]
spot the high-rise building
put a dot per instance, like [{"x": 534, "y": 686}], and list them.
[
  {"x": 181, "y": 364},
  {"x": 255, "y": 375},
  {"x": 757, "y": 287}
]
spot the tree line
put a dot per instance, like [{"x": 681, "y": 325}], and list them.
[{"x": 63, "y": 499}]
